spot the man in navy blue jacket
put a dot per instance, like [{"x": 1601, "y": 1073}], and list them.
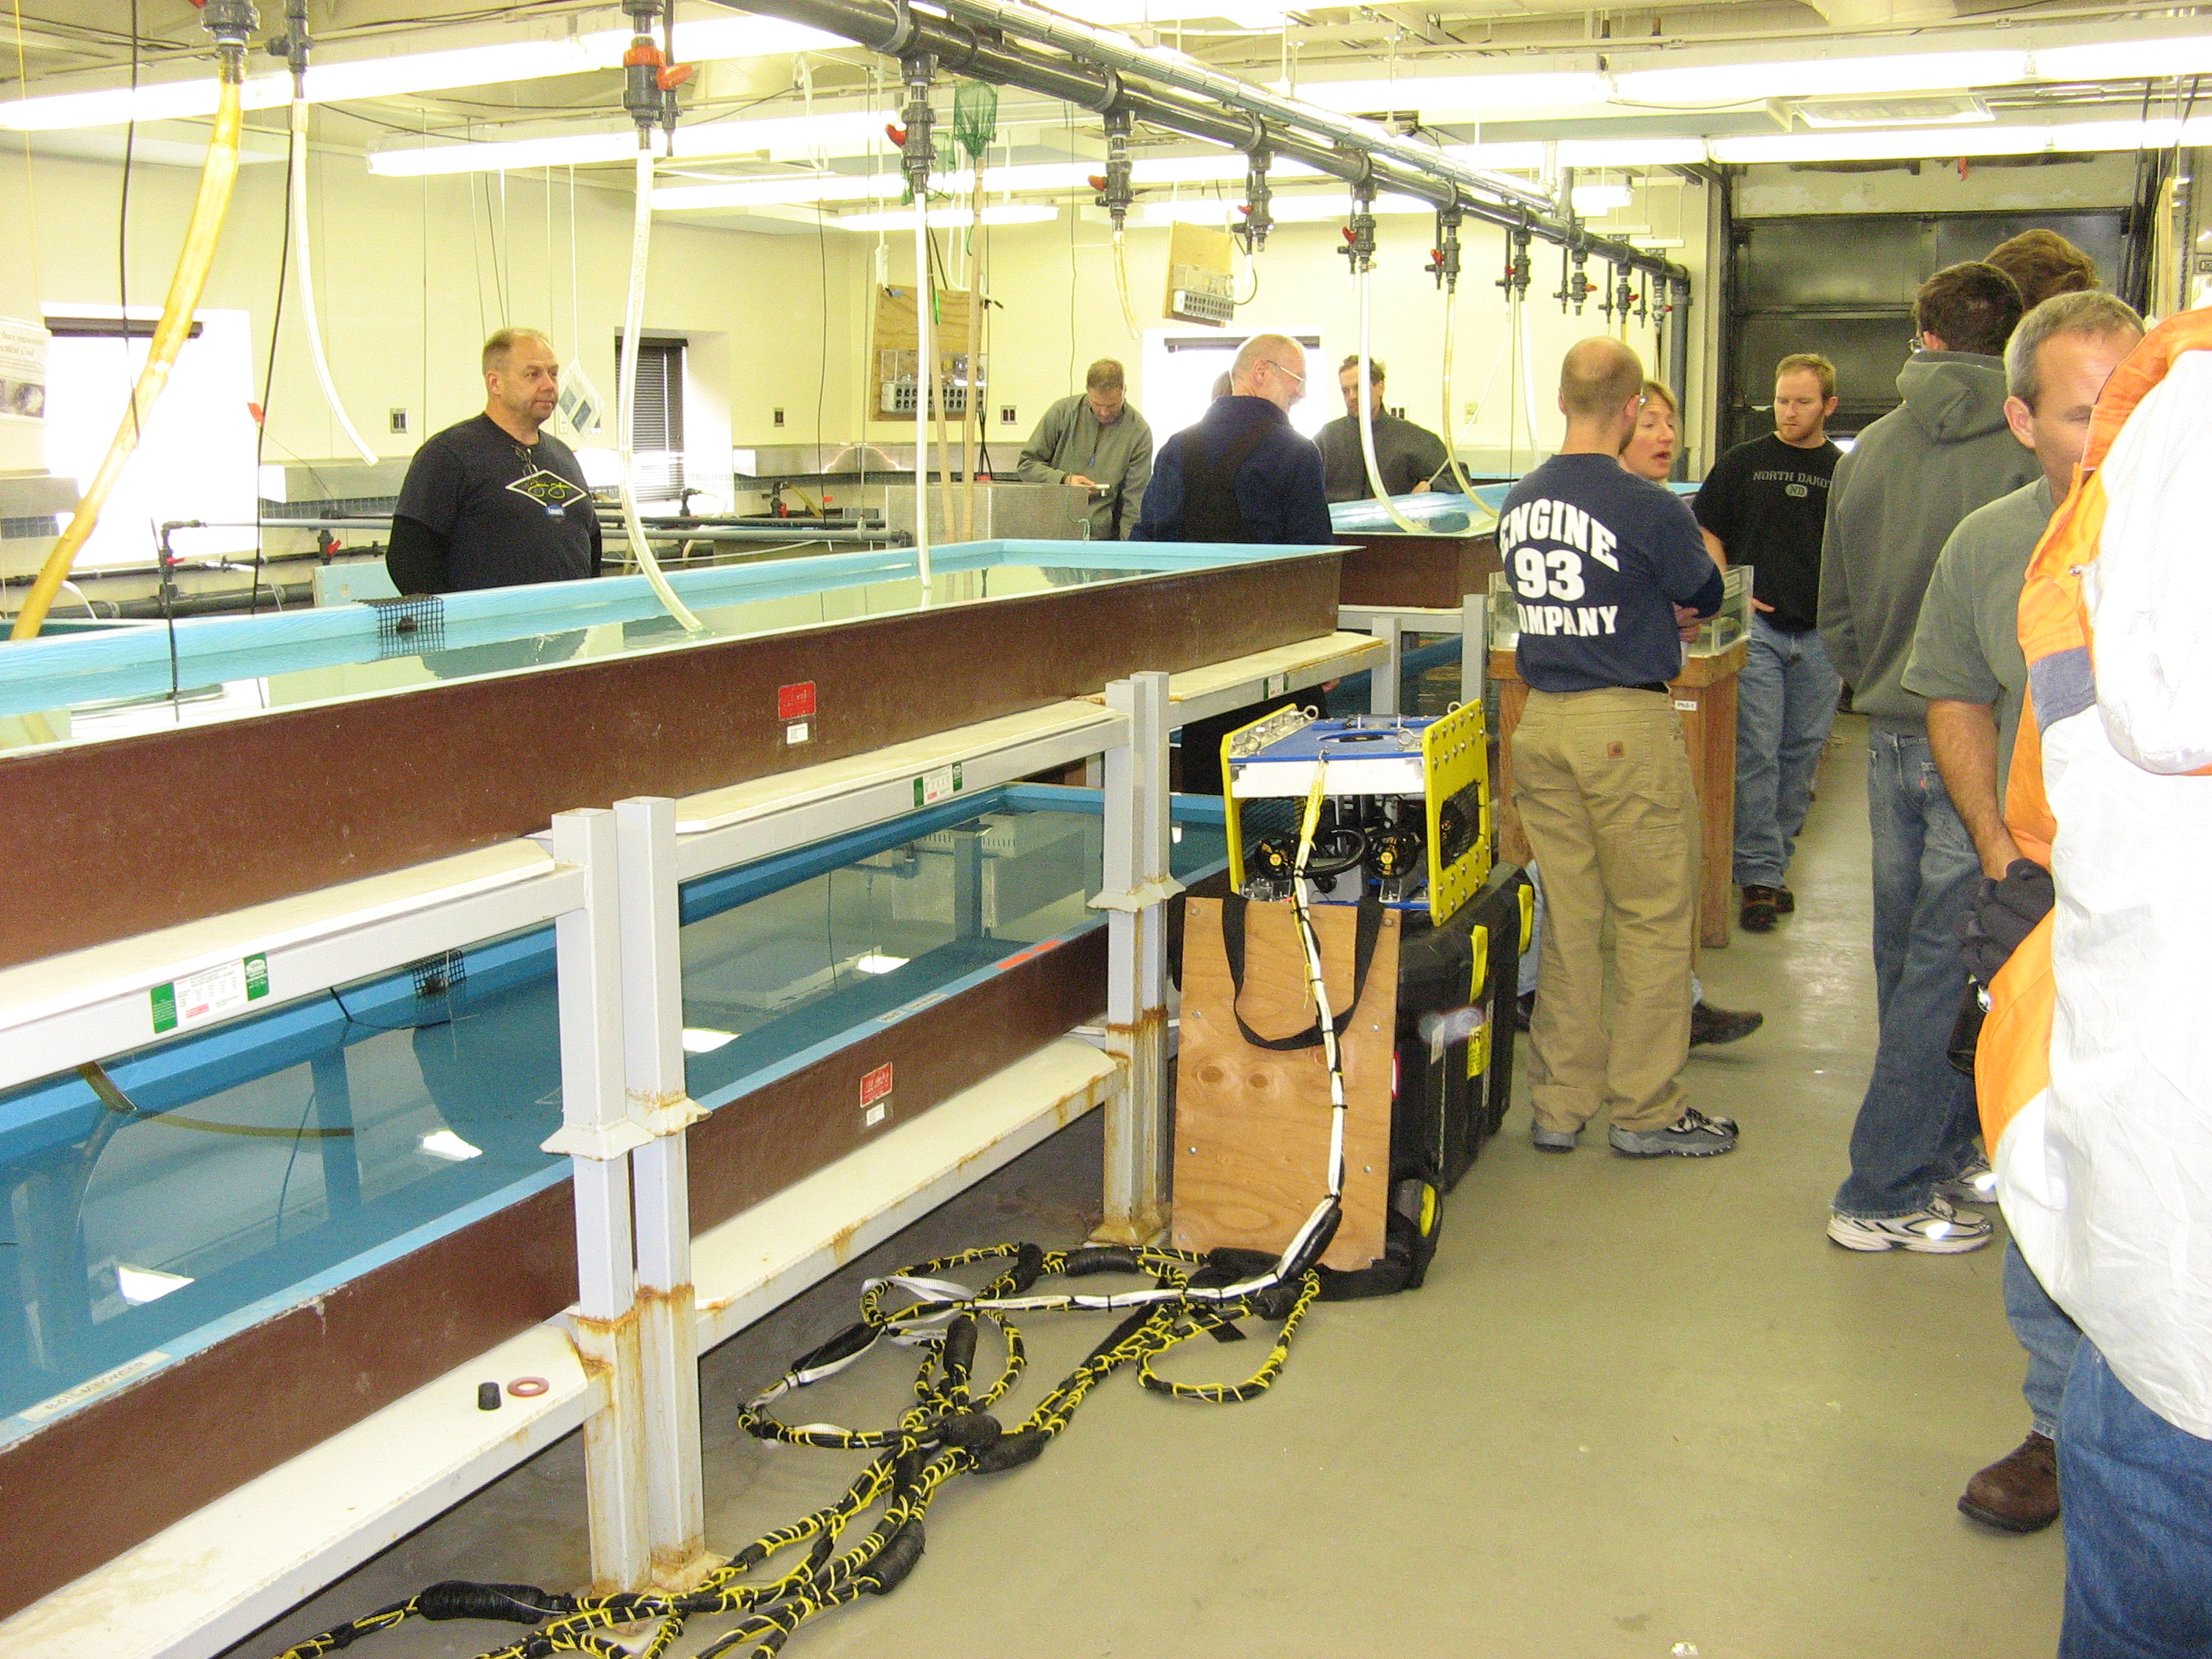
[
  {"x": 1244, "y": 474},
  {"x": 1607, "y": 569}
]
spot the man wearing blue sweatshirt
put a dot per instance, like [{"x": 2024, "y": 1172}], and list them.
[{"x": 1607, "y": 568}]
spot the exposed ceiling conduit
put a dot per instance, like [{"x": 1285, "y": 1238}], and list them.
[{"x": 1010, "y": 44}]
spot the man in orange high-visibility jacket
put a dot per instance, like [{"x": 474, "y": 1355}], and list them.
[{"x": 2095, "y": 1070}]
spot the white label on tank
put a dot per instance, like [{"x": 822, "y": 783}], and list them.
[
  {"x": 797, "y": 731},
  {"x": 1687, "y": 705}
]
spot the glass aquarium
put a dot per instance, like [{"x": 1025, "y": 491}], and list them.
[
  {"x": 119, "y": 680},
  {"x": 153, "y": 1203}
]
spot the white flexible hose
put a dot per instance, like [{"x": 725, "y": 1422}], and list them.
[
  {"x": 1451, "y": 421},
  {"x": 308, "y": 285},
  {"x": 925, "y": 301},
  {"x": 640, "y": 245},
  {"x": 1528, "y": 383},
  {"x": 1367, "y": 422}
]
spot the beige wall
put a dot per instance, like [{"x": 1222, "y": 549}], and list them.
[{"x": 411, "y": 273}]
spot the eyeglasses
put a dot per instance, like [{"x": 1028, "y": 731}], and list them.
[{"x": 1281, "y": 370}]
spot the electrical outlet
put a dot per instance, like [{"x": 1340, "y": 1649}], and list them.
[
  {"x": 1006, "y": 417},
  {"x": 399, "y": 420},
  {"x": 779, "y": 417}
]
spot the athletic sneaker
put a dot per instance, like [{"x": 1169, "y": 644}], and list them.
[
  {"x": 1553, "y": 1140},
  {"x": 1939, "y": 1229},
  {"x": 1977, "y": 1183},
  {"x": 1691, "y": 1135}
]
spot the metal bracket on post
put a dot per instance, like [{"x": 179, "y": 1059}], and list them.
[
  {"x": 597, "y": 1133},
  {"x": 653, "y": 1069},
  {"x": 1137, "y": 888}
]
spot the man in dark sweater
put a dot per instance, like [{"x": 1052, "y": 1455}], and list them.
[
  {"x": 1909, "y": 480},
  {"x": 1408, "y": 457},
  {"x": 496, "y": 502},
  {"x": 1242, "y": 474},
  {"x": 1763, "y": 504}
]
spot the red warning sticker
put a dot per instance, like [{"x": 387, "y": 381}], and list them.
[
  {"x": 795, "y": 702},
  {"x": 877, "y": 1085}
]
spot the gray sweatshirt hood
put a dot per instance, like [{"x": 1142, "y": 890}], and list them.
[{"x": 1953, "y": 396}]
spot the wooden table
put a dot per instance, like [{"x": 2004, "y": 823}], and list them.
[{"x": 1704, "y": 696}]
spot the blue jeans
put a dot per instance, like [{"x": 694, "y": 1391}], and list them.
[
  {"x": 2048, "y": 1334},
  {"x": 1785, "y": 703},
  {"x": 1916, "y": 1126},
  {"x": 2138, "y": 1496}
]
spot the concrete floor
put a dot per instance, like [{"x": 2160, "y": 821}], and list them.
[{"x": 1638, "y": 1410}]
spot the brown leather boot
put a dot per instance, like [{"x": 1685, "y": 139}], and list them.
[{"x": 2019, "y": 1492}]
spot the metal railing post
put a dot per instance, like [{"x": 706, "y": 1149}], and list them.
[
  {"x": 1383, "y": 681},
  {"x": 1473, "y": 646},
  {"x": 659, "y": 1100},
  {"x": 597, "y": 1134},
  {"x": 1137, "y": 888}
]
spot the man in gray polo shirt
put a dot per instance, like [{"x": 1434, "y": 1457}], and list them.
[{"x": 1966, "y": 661}]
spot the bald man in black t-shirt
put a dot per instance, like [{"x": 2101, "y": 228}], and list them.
[{"x": 496, "y": 502}]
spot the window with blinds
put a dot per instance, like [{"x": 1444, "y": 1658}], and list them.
[{"x": 658, "y": 433}]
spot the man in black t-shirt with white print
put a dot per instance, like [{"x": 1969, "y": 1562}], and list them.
[
  {"x": 496, "y": 502},
  {"x": 1764, "y": 504},
  {"x": 1606, "y": 567}
]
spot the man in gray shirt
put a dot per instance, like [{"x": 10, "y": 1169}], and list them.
[
  {"x": 1966, "y": 661},
  {"x": 1098, "y": 441},
  {"x": 1909, "y": 478},
  {"x": 1408, "y": 457}
]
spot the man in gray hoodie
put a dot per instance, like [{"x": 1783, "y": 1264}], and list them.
[{"x": 1907, "y": 482}]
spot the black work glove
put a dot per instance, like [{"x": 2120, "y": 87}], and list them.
[{"x": 2002, "y": 915}]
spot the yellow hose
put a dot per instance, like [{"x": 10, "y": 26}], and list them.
[{"x": 217, "y": 175}]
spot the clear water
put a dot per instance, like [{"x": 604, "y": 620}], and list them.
[
  {"x": 256, "y": 1158},
  {"x": 126, "y": 683}
]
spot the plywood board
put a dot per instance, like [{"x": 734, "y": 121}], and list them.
[
  {"x": 895, "y": 330},
  {"x": 1252, "y": 1125}
]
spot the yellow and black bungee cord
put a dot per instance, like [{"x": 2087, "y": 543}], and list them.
[{"x": 950, "y": 1430}]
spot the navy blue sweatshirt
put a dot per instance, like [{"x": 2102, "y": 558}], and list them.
[
  {"x": 1278, "y": 488},
  {"x": 1598, "y": 558}
]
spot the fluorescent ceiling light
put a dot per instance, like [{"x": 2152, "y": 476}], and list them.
[
  {"x": 414, "y": 72},
  {"x": 876, "y": 962},
  {"x": 1595, "y": 201},
  {"x": 1438, "y": 94},
  {"x": 2126, "y": 60},
  {"x": 698, "y": 1040},
  {"x": 2070, "y": 138},
  {"x": 139, "y": 1285},
  {"x": 444, "y": 1143},
  {"x": 1627, "y": 152},
  {"x": 948, "y": 218},
  {"x": 1820, "y": 77},
  {"x": 699, "y": 142}
]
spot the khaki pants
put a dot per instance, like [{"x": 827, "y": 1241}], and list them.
[{"x": 1602, "y": 782}]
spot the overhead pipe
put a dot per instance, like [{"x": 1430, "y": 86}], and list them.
[
  {"x": 1097, "y": 70},
  {"x": 230, "y": 21}
]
